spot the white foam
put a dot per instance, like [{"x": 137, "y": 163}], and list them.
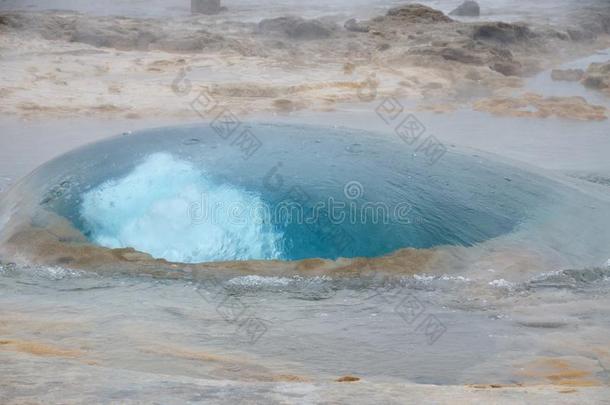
[
  {"x": 168, "y": 208},
  {"x": 254, "y": 280},
  {"x": 501, "y": 283},
  {"x": 273, "y": 281},
  {"x": 425, "y": 277}
]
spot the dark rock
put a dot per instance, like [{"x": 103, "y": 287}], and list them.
[
  {"x": 348, "y": 378},
  {"x": 597, "y": 76},
  {"x": 206, "y": 7},
  {"x": 128, "y": 37},
  {"x": 355, "y": 26},
  {"x": 543, "y": 324},
  {"x": 593, "y": 82},
  {"x": 560, "y": 35},
  {"x": 418, "y": 14},
  {"x": 512, "y": 68},
  {"x": 468, "y": 8},
  {"x": 461, "y": 55},
  {"x": 311, "y": 29},
  {"x": 502, "y": 32},
  {"x": 296, "y": 27},
  {"x": 567, "y": 75},
  {"x": 579, "y": 35},
  {"x": 12, "y": 21}
]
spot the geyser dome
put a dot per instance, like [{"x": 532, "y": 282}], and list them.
[{"x": 193, "y": 194}]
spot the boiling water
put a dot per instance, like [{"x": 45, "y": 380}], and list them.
[{"x": 188, "y": 195}]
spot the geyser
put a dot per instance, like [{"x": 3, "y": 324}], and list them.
[{"x": 195, "y": 194}]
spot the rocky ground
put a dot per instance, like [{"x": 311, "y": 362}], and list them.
[{"x": 69, "y": 64}]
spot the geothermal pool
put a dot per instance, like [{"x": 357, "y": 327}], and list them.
[
  {"x": 282, "y": 193},
  {"x": 186, "y": 194}
]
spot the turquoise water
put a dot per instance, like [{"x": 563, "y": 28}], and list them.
[{"x": 187, "y": 194}]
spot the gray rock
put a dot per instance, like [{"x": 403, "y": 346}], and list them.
[
  {"x": 579, "y": 35},
  {"x": 567, "y": 75},
  {"x": 502, "y": 32},
  {"x": 127, "y": 36},
  {"x": 205, "y": 6},
  {"x": 355, "y": 26},
  {"x": 296, "y": 27},
  {"x": 509, "y": 68},
  {"x": 418, "y": 14},
  {"x": 594, "y": 82},
  {"x": 461, "y": 55},
  {"x": 598, "y": 76},
  {"x": 469, "y": 8}
]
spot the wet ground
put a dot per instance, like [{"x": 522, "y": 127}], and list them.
[{"x": 253, "y": 336}]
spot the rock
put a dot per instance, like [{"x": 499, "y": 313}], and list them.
[
  {"x": 205, "y": 6},
  {"x": 461, "y": 55},
  {"x": 126, "y": 36},
  {"x": 509, "y": 68},
  {"x": 598, "y": 76},
  {"x": 502, "y": 32},
  {"x": 579, "y": 35},
  {"x": 296, "y": 27},
  {"x": 593, "y": 82},
  {"x": 355, "y": 26},
  {"x": 418, "y": 14},
  {"x": 348, "y": 378},
  {"x": 468, "y": 8},
  {"x": 284, "y": 105},
  {"x": 311, "y": 29},
  {"x": 567, "y": 75}
]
